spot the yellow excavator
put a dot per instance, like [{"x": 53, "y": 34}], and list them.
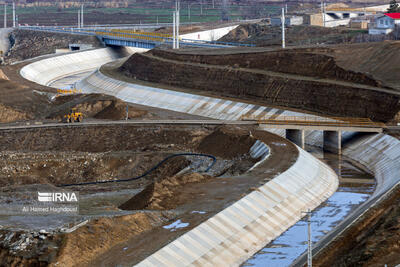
[{"x": 73, "y": 116}]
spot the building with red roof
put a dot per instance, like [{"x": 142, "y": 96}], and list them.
[
  {"x": 385, "y": 23},
  {"x": 395, "y": 16}
]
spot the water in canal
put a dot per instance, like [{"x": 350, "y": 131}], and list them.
[{"x": 356, "y": 185}]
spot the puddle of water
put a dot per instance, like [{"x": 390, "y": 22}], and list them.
[
  {"x": 176, "y": 225},
  {"x": 291, "y": 244}
]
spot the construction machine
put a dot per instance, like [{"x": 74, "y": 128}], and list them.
[{"x": 73, "y": 116}]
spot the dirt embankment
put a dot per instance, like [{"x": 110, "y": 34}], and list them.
[
  {"x": 19, "y": 102},
  {"x": 112, "y": 152},
  {"x": 238, "y": 140},
  {"x": 306, "y": 62},
  {"x": 373, "y": 241},
  {"x": 328, "y": 97},
  {"x": 27, "y": 44},
  {"x": 23, "y": 103},
  {"x": 378, "y": 60},
  {"x": 98, "y": 236},
  {"x": 164, "y": 193}
]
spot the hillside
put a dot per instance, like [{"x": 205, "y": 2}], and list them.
[
  {"x": 265, "y": 35},
  {"x": 313, "y": 79}
]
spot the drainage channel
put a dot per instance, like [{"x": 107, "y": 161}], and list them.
[{"x": 356, "y": 186}]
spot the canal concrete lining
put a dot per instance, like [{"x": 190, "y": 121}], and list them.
[
  {"x": 380, "y": 154},
  {"x": 236, "y": 233},
  {"x": 47, "y": 70}
]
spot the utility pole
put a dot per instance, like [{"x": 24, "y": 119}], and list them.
[
  {"x": 283, "y": 28},
  {"x": 5, "y": 15},
  {"x": 82, "y": 16},
  {"x": 13, "y": 14},
  {"x": 177, "y": 23},
  {"x": 173, "y": 29},
  {"x": 79, "y": 19},
  {"x": 323, "y": 12},
  {"x": 309, "y": 247}
]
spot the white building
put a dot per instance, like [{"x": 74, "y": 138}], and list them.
[{"x": 385, "y": 24}]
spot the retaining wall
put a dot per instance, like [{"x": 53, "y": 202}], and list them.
[
  {"x": 240, "y": 230},
  {"x": 379, "y": 153}
]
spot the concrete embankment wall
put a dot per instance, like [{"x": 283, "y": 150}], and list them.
[
  {"x": 48, "y": 70},
  {"x": 240, "y": 230},
  {"x": 379, "y": 153}
]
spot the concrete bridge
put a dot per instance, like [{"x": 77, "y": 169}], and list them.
[{"x": 332, "y": 128}]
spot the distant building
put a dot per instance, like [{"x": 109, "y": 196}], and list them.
[
  {"x": 361, "y": 22},
  {"x": 333, "y": 18},
  {"x": 289, "y": 21},
  {"x": 385, "y": 24}
]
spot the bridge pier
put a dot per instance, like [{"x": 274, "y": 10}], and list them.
[
  {"x": 333, "y": 142},
  {"x": 296, "y": 136}
]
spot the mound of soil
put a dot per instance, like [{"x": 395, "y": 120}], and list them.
[
  {"x": 164, "y": 194},
  {"x": 18, "y": 102},
  {"x": 94, "y": 106},
  {"x": 227, "y": 142},
  {"x": 8, "y": 114},
  {"x": 99, "y": 235}
]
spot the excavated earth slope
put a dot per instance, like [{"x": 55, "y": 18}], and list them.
[{"x": 308, "y": 79}]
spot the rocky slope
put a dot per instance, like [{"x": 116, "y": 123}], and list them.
[{"x": 28, "y": 44}]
